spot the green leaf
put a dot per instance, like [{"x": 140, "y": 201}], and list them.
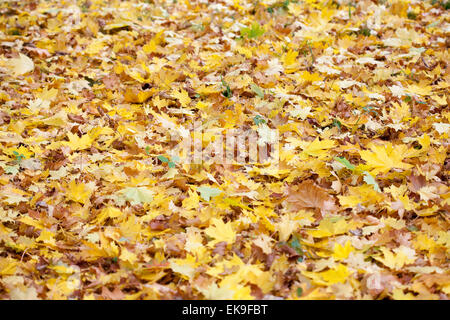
[
  {"x": 337, "y": 123},
  {"x": 227, "y": 93},
  {"x": 257, "y": 90},
  {"x": 206, "y": 192},
  {"x": 163, "y": 159},
  {"x": 299, "y": 292},
  {"x": 257, "y": 120},
  {"x": 254, "y": 32},
  {"x": 14, "y": 32},
  {"x": 412, "y": 15},
  {"x": 171, "y": 164},
  {"x": 18, "y": 156},
  {"x": 369, "y": 109},
  {"x": 370, "y": 180},
  {"x": 91, "y": 81},
  {"x": 345, "y": 162},
  {"x": 364, "y": 31},
  {"x": 11, "y": 169},
  {"x": 137, "y": 195},
  {"x": 295, "y": 244}
]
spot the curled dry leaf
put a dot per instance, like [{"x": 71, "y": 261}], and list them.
[{"x": 307, "y": 195}]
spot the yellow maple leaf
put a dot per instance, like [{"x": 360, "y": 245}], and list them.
[
  {"x": 264, "y": 242},
  {"x": 363, "y": 195},
  {"x": 116, "y": 25},
  {"x": 47, "y": 94},
  {"x": 127, "y": 255},
  {"x": 424, "y": 242},
  {"x": 400, "y": 112},
  {"x": 330, "y": 227},
  {"x": 160, "y": 103},
  {"x": 295, "y": 8},
  {"x": 77, "y": 143},
  {"x": 310, "y": 77},
  {"x": 31, "y": 222},
  {"x": 107, "y": 249},
  {"x": 194, "y": 241},
  {"x": 398, "y": 294},
  {"x": 440, "y": 100},
  {"x": 263, "y": 214},
  {"x": 428, "y": 192},
  {"x": 151, "y": 46},
  {"x": 385, "y": 157},
  {"x": 289, "y": 58},
  {"x": 78, "y": 192},
  {"x": 212, "y": 61},
  {"x": 403, "y": 255},
  {"x": 220, "y": 231},
  {"x": 233, "y": 282},
  {"x": 425, "y": 142},
  {"x": 46, "y": 237},
  {"x": 95, "y": 47},
  {"x": 63, "y": 269},
  {"x": 25, "y": 293},
  {"x": 18, "y": 151},
  {"x": 420, "y": 90},
  {"x": 137, "y": 96},
  {"x": 7, "y": 266},
  {"x": 245, "y": 51},
  {"x": 243, "y": 293},
  {"x": 317, "y": 148},
  {"x": 182, "y": 96},
  {"x": 214, "y": 292},
  {"x": 285, "y": 227},
  {"x": 446, "y": 289},
  {"x": 191, "y": 202},
  {"x": 108, "y": 212},
  {"x": 337, "y": 274},
  {"x": 186, "y": 267},
  {"x": 253, "y": 274},
  {"x": 240, "y": 81},
  {"x": 20, "y": 65},
  {"x": 342, "y": 252}
]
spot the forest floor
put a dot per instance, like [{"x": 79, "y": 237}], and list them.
[{"x": 348, "y": 100}]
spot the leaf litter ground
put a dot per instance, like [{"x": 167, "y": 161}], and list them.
[{"x": 95, "y": 206}]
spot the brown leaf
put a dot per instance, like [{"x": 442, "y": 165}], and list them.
[
  {"x": 111, "y": 82},
  {"x": 116, "y": 294},
  {"x": 292, "y": 254},
  {"x": 220, "y": 248},
  {"x": 376, "y": 283},
  {"x": 417, "y": 182},
  {"x": 308, "y": 195},
  {"x": 4, "y": 117},
  {"x": 75, "y": 118}
]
